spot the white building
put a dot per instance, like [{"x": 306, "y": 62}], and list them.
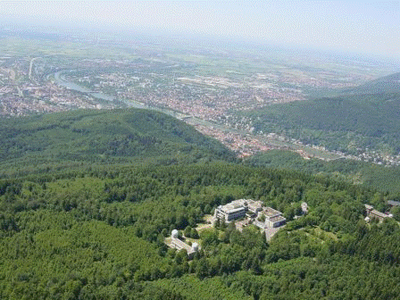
[
  {"x": 254, "y": 206},
  {"x": 374, "y": 214},
  {"x": 231, "y": 211},
  {"x": 304, "y": 208},
  {"x": 237, "y": 209},
  {"x": 178, "y": 244},
  {"x": 273, "y": 218}
]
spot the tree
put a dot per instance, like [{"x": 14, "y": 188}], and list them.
[
  {"x": 194, "y": 234},
  {"x": 202, "y": 268},
  {"x": 188, "y": 231}
]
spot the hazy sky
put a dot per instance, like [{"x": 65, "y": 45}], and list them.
[{"x": 371, "y": 27}]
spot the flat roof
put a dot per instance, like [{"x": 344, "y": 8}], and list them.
[
  {"x": 270, "y": 212},
  {"x": 379, "y": 214},
  {"x": 253, "y": 202},
  {"x": 181, "y": 244},
  {"x": 367, "y": 206},
  {"x": 233, "y": 210},
  {"x": 277, "y": 219},
  {"x": 233, "y": 206},
  {"x": 394, "y": 203}
]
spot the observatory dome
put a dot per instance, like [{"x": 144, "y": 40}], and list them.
[
  {"x": 175, "y": 233},
  {"x": 195, "y": 247}
]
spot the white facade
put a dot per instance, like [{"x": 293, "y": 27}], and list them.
[
  {"x": 237, "y": 209},
  {"x": 254, "y": 206},
  {"x": 374, "y": 214},
  {"x": 177, "y": 244},
  {"x": 273, "y": 218},
  {"x": 231, "y": 211},
  {"x": 304, "y": 207}
]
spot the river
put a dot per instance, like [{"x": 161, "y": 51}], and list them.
[{"x": 61, "y": 80}]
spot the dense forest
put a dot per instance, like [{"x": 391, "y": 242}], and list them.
[
  {"x": 96, "y": 230},
  {"x": 84, "y": 137},
  {"x": 349, "y": 122},
  {"x": 382, "y": 178}
]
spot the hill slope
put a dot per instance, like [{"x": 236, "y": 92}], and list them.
[
  {"x": 387, "y": 84},
  {"x": 348, "y": 122},
  {"x": 116, "y": 136},
  {"x": 100, "y": 236},
  {"x": 368, "y": 174},
  {"x": 98, "y": 232}
]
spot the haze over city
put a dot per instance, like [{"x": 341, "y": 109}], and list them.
[{"x": 364, "y": 27}]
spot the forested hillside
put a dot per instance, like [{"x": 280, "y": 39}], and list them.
[
  {"x": 100, "y": 234},
  {"x": 367, "y": 174},
  {"x": 365, "y": 118},
  {"x": 93, "y": 227},
  {"x": 387, "y": 84},
  {"x": 76, "y": 138}
]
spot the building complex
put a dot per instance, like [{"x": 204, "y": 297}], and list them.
[
  {"x": 251, "y": 210},
  {"x": 178, "y": 244},
  {"x": 375, "y": 214},
  {"x": 273, "y": 218}
]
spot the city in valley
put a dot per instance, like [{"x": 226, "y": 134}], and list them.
[{"x": 208, "y": 86}]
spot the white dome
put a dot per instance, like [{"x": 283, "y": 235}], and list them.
[
  {"x": 195, "y": 247},
  {"x": 175, "y": 233}
]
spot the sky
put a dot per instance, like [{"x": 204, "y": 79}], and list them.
[{"x": 365, "y": 27}]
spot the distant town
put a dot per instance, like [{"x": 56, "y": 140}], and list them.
[{"x": 102, "y": 74}]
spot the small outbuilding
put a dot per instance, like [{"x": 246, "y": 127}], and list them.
[{"x": 178, "y": 244}]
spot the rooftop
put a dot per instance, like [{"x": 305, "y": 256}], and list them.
[
  {"x": 182, "y": 245},
  {"x": 254, "y": 205},
  {"x": 379, "y": 214},
  {"x": 277, "y": 218},
  {"x": 236, "y": 205},
  {"x": 270, "y": 212},
  {"x": 369, "y": 207}
]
